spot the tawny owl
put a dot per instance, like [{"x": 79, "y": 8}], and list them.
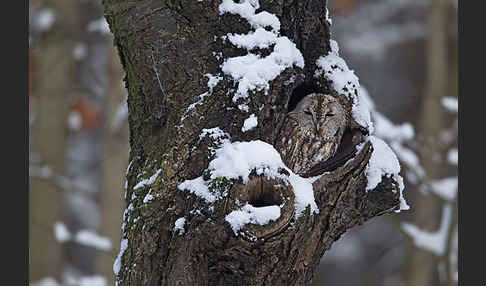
[{"x": 311, "y": 132}]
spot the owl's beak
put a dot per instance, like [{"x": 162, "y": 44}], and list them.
[{"x": 315, "y": 121}]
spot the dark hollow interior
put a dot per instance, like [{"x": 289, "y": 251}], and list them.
[
  {"x": 265, "y": 197},
  {"x": 300, "y": 92}
]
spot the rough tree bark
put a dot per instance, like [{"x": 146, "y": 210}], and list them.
[{"x": 166, "y": 48}]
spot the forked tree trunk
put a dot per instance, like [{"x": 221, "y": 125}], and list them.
[{"x": 167, "y": 48}]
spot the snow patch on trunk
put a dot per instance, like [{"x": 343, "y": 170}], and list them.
[
  {"x": 117, "y": 264},
  {"x": 250, "y": 123},
  {"x": 179, "y": 225},
  {"x": 148, "y": 181},
  {"x": 344, "y": 81},
  {"x": 253, "y": 72},
  {"x": 236, "y": 160}
]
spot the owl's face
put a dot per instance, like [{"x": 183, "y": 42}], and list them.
[
  {"x": 312, "y": 132},
  {"x": 320, "y": 115}
]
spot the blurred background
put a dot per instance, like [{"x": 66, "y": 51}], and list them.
[{"x": 405, "y": 55}]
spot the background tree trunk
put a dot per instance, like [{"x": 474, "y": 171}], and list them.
[
  {"x": 166, "y": 49},
  {"x": 85, "y": 152},
  {"x": 51, "y": 86},
  {"x": 423, "y": 265}
]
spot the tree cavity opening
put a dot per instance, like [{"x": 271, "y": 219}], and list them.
[
  {"x": 267, "y": 195},
  {"x": 299, "y": 93}
]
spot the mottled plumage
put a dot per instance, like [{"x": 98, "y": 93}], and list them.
[{"x": 311, "y": 132}]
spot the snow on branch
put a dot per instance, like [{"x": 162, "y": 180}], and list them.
[
  {"x": 435, "y": 242},
  {"x": 444, "y": 188},
  {"x": 383, "y": 161},
  {"x": 84, "y": 237},
  {"x": 345, "y": 82}
]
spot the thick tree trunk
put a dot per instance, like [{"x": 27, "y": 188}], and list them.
[{"x": 167, "y": 48}]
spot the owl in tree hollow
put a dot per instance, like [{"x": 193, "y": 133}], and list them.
[{"x": 311, "y": 132}]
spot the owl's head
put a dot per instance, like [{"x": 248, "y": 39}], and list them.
[{"x": 320, "y": 114}]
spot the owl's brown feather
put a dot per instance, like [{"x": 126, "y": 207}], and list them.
[{"x": 312, "y": 132}]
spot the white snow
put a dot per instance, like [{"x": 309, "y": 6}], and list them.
[
  {"x": 344, "y": 81},
  {"x": 435, "y": 242},
  {"x": 246, "y": 9},
  {"x": 179, "y": 225},
  {"x": 199, "y": 188},
  {"x": 148, "y": 197},
  {"x": 99, "y": 25},
  {"x": 304, "y": 193},
  {"x": 79, "y": 51},
  {"x": 384, "y": 162},
  {"x": 120, "y": 117},
  {"x": 117, "y": 264},
  {"x": 45, "y": 19},
  {"x": 251, "y": 71},
  {"x": 212, "y": 82},
  {"x": 385, "y": 129},
  {"x": 214, "y": 133},
  {"x": 445, "y": 188},
  {"x": 61, "y": 233},
  {"x": 254, "y": 72},
  {"x": 90, "y": 238},
  {"x": 450, "y": 103},
  {"x": 261, "y": 38},
  {"x": 409, "y": 158},
  {"x": 236, "y": 160},
  {"x": 148, "y": 181},
  {"x": 75, "y": 121},
  {"x": 243, "y": 107},
  {"x": 395, "y": 135},
  {"x": 47, "y": 281},
  {"x": 250, "y": 214},
  {"x": 453, "y": 156},
  {"x": 95, "y": 280},
  {"x": 128, "y": 168},
  {"x": 328, "y": 18},
  {"x": 250, "y": 123}
]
